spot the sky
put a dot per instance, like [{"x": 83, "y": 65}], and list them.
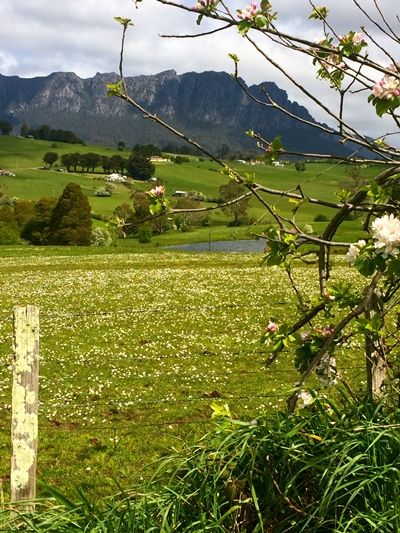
[{"x": 38, "y": 37}]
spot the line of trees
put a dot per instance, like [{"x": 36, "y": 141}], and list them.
[
  {"x": 136, "y": 165},
  {"x": 44, "y": 132}
]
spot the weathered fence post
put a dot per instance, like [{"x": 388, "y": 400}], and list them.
[
  {"x": 24, "y": 424},
  {"x": 375, "y": 356}
]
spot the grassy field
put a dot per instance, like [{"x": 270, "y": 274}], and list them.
[
  {"x": 135, "y": 348},
  {"x": 24, "y": 157}
]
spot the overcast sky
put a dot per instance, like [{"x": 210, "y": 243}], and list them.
[{"x": 38, "y": 37}]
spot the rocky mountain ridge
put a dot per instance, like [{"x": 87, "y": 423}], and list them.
[{"x": 211, "y": 107}]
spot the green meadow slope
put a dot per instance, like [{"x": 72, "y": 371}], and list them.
[{"x": 24, "y": 158}]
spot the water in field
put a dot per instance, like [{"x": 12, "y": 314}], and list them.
[{"x": 222, "y": 246}]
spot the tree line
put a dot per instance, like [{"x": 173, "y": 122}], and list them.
[
  {"x": 137, "y": 164},
  {"x": 45, "y": 133}
]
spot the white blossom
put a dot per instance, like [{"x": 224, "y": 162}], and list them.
[
  {"x": 304, "y": 398},
  {"x": 386, "y": 232},
  {"x": 354, "y": 250}
]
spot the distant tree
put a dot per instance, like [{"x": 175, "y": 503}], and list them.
[
  {"x": 141, "y": 215},
  {"x": 145, "y": 233},
  {"x": 159, "y": 224},
  {"x": 101, "y": 237},
  {"x": 357, "y": 179},
  {"x": 7, "y": 217},
  {"x": 105, "y": 164},
  {"x": 50, "y": 158},
  {"x": 9, "y": 231},
  {"x": 146, "y": 149},
  {"x": 121, "y": 146},
  {"x": 89, "y": 161},
  {"x": 140, "y": 167},
  {"x": 118, "y": 163},
  {"x": 188, "y": 219},
  {"x": 46, "y": 133},
  {"x": 5, "y": 127},
  {"x": 223, "y": 151},
  {"x": 24, "y": 210},
  {"x": 71, "y": 223},
  {"x": 140, "y": 209},
  {"x": 125, "y": 216},
  {"x": 230, "y": 191},
  {"x": 36, "y": 229},
  {"x": 43, "y": 132},
  {"x": 8, "y": 235},
  {"x": 70, "y": 161},
  {"x": 173, "y": 148},
  {"x": 24, "y": 131},
  {"x": 179, "y": 159},
  {"x": 300, "y": 166}
]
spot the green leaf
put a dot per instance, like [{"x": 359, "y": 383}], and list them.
[
  {"x": 115, "y": 89},
  {"x": 244, "y": 26},
  {"x": 155, "y": 208},
  {"x": 319, "y": 13},
  {"x": 365, "y": 267},
  {"x": 124, "y": 22},
  {"x": 393, "y": 268},
  {"x": 220, "y": 409},
  {"x": 234, "y": 58}
]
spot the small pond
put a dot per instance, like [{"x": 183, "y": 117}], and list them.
[{"x": 222, "y": 246}]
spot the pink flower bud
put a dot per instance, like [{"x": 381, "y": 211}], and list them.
[
  {"x": 272, "y": 327},
  {"x": 327, "y": 331},
  {"x": 158, "y": 191}
]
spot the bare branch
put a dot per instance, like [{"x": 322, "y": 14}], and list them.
[{"x": 194, "y": 35}]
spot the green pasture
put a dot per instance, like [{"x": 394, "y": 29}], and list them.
[
  {"x": 17, "y": 153},
  {"x": 135, "y": 348},
  {"x": 319, "y": 180}
]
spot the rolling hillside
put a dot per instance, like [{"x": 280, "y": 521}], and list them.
[{"x": 24, "y": 158}]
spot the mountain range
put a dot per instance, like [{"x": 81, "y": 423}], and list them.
[{"x": 210, "y": 107}]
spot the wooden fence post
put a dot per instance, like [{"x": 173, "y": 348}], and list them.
[
  {"x": 24, "y": 424},
  {"x": 375, "y": 358}
]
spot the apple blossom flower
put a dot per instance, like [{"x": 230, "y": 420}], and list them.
[
  {"x": 389, "y": 86},
  {"x": 304, "y": 398},
  {"x": 322, "y": 41},
  {"x": 249, "y": 12},
  {"x": 358, "y": 38},
  {"x": 157, "y": 192},
  {"x": 394, "y": 67},
  {"x": 272, "y": 327},
  {"x": 354, "y": 250},
  {"x": 327, "y": 331},
  {"x": 202, "y": 5},
  {"x": 353, "y": 37},
  {"x": 326, "y": 370},
  {"x": 386, "y": 232}
]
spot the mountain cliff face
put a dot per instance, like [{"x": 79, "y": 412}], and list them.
[{"x": 210, "y": 107}]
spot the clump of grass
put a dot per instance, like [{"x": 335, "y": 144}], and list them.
[{"x": 323, "y": 469}]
